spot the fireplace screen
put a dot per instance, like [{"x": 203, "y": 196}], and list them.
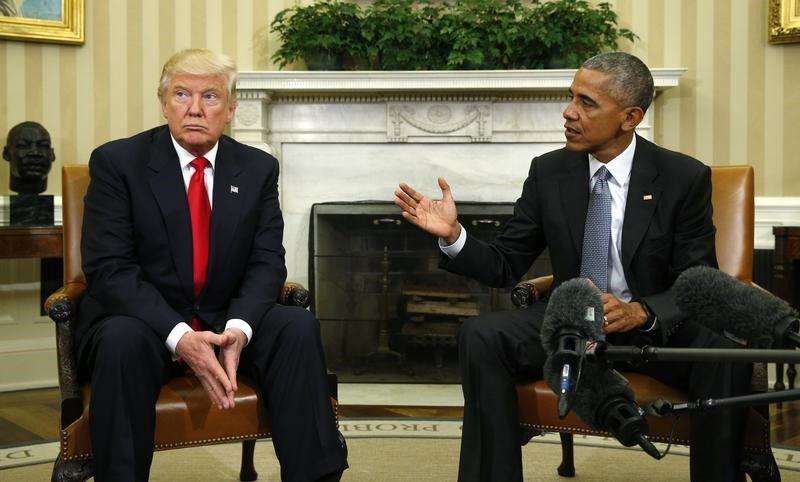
[{"x": 388, "y": 313}]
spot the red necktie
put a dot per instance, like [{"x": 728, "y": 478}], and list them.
[{"x": 200, "y": 212}]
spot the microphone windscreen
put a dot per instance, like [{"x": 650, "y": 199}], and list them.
[
  {"x": 595, "y": 386},
  {"x": 723, "y": 303},
  {"x": 574, "y": 305}
]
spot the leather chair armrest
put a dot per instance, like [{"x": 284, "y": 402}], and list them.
[
  {"x": 294, "y": 294},
  {"x": 531, "y": 291}
]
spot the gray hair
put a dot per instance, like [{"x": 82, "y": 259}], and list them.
[
  {"x": 199, "y": 62},
  {"x": 631, "y": 82}
]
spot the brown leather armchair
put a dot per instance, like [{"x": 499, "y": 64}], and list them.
[
  {"x": 733, "y": 203},
  {"x": 184, "y": 415}
]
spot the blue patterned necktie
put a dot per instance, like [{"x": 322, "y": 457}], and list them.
[{"x": 597, "y": 232}]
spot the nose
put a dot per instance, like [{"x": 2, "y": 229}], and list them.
[
  {"x": 570, "y": 113},
  {"x": 196, "y": 105}
]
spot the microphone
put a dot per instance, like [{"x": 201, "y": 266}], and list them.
[
  {"x": 723, "y": 303},
  {"x": 600, "y": 397},
  {"x": 605, "y": 402},
  {"x": 572, "y": 316}
]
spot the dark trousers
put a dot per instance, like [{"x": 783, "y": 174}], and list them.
[
  {"x": 499, "y": 350},
  {"x": 128, "y": 364}
]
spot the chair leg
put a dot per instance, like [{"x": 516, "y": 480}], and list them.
[
  {"x": 248, "y": 471},
  {"x": 74, "y": 471},
  {"x": 567, "y": 467}
]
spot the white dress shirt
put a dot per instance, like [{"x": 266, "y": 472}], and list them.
[{"x": 185, "y": 158}]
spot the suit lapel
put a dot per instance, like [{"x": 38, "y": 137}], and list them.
[
  {"x": 643, "y": 197},
  {"x": 574, "y": 188},
  {"x": 226, "y": 208},
  {"x": 166, "y": 182}
]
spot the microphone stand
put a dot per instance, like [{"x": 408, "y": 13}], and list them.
[
  {"x": 604, "y": 353},
  {"x": 663, "y": 408}
]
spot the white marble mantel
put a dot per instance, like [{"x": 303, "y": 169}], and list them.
[
  {"x": 304, "y": 81},
  {"x": 353, "y": 136}
]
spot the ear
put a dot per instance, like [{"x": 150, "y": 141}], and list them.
[
  {"x": 231, "y": 111},
  {"x": 632, "y": 117},
  {"x": 6, "y": 154},
  {"x": 163, "y": 103}
]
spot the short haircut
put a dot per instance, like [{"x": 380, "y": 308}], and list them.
[
  {"x": 14, "y": 131},
  {"x": 631, "y": 82},
  {"x": 199, "y": 62}
]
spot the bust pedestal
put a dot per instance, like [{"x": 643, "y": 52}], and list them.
[{"x": 31, "y": 210}]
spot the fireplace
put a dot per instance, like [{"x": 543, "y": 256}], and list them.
[{"x": 387, "y": 311}]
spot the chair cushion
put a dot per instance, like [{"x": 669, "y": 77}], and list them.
[
  {"x": 538, "y": 411},
  {"x": 179, "y": 426}
]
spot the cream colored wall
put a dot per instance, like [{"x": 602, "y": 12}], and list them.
[{"x": 733, "y": 106}]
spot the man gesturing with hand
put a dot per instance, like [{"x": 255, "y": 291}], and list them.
[{"x": 616, "y": 209}]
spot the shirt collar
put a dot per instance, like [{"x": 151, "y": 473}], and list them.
[
  {"x": 619, "y": 167},
  {"x": 185, "y": 157}
]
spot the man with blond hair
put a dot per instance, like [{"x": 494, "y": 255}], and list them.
[{"x": 183, "y": 256}]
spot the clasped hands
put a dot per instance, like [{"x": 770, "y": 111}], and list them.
[
  {"x": 440, "y": 218},
  {"x": 217, "y": 374}
]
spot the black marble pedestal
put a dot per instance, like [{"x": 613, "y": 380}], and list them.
[{"x": 31, "y": 210}]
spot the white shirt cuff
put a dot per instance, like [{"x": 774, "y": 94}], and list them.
[
  {"x": 175, "y": 336},
  {"x": 242, "y": 325},
  {"x": 452, "y": 250}
]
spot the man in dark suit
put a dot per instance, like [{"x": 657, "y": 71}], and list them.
[
  {"x": 182, "y": 229},
  {"x": 658, "y": 223}
]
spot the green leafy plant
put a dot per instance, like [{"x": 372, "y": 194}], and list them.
[
  {"x": 573, "y": 31},
  {"x": 485, "y": 34},
  {"x": 404, "y": 35},
  {"x": 455, "y": 34},
  {"x": 325, "y": 34}
]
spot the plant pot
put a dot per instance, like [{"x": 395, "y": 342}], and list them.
[{"x": 323, "y": 60}]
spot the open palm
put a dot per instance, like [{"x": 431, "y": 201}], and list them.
[{"x": 435, "y": 217}]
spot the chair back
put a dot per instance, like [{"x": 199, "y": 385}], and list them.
[
  {"x": 74, "y": 182},
  {"x": 732, "y": 197}
]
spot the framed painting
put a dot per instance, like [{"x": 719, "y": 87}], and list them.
[
  {"x": 783, "y": 21},
  {"x": 59, "y": 21}
]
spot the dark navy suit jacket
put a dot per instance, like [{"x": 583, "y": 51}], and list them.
[
  {"x": 137, "y": 243},
  {"x": 667, "y": 226}
]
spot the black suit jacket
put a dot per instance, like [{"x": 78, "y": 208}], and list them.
[
  {"x": 667, "y": 226},
  {"x": 137, "y": 243}
]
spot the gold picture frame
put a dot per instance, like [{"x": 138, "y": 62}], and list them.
[
  {"x": 66, "y": 30},
  {"x": 783, "y": 21}
]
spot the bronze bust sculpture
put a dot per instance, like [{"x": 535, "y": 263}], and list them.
[{"x": 30, "y": 154}]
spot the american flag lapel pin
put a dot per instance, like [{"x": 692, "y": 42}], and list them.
[
  {"x": 234, "y": 189},
  {"x": 647, "y": 197}
]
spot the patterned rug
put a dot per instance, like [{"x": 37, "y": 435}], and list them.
[{"x": 402, "y": 450}]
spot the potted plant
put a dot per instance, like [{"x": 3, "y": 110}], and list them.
[
  {"x": 459, "y": 34},
  {"x": 487, "y": 34},
  {"x": 572, "y": 31},
  {"x": 404, "y": 35},
  {"x": 324, "y": 34}
]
